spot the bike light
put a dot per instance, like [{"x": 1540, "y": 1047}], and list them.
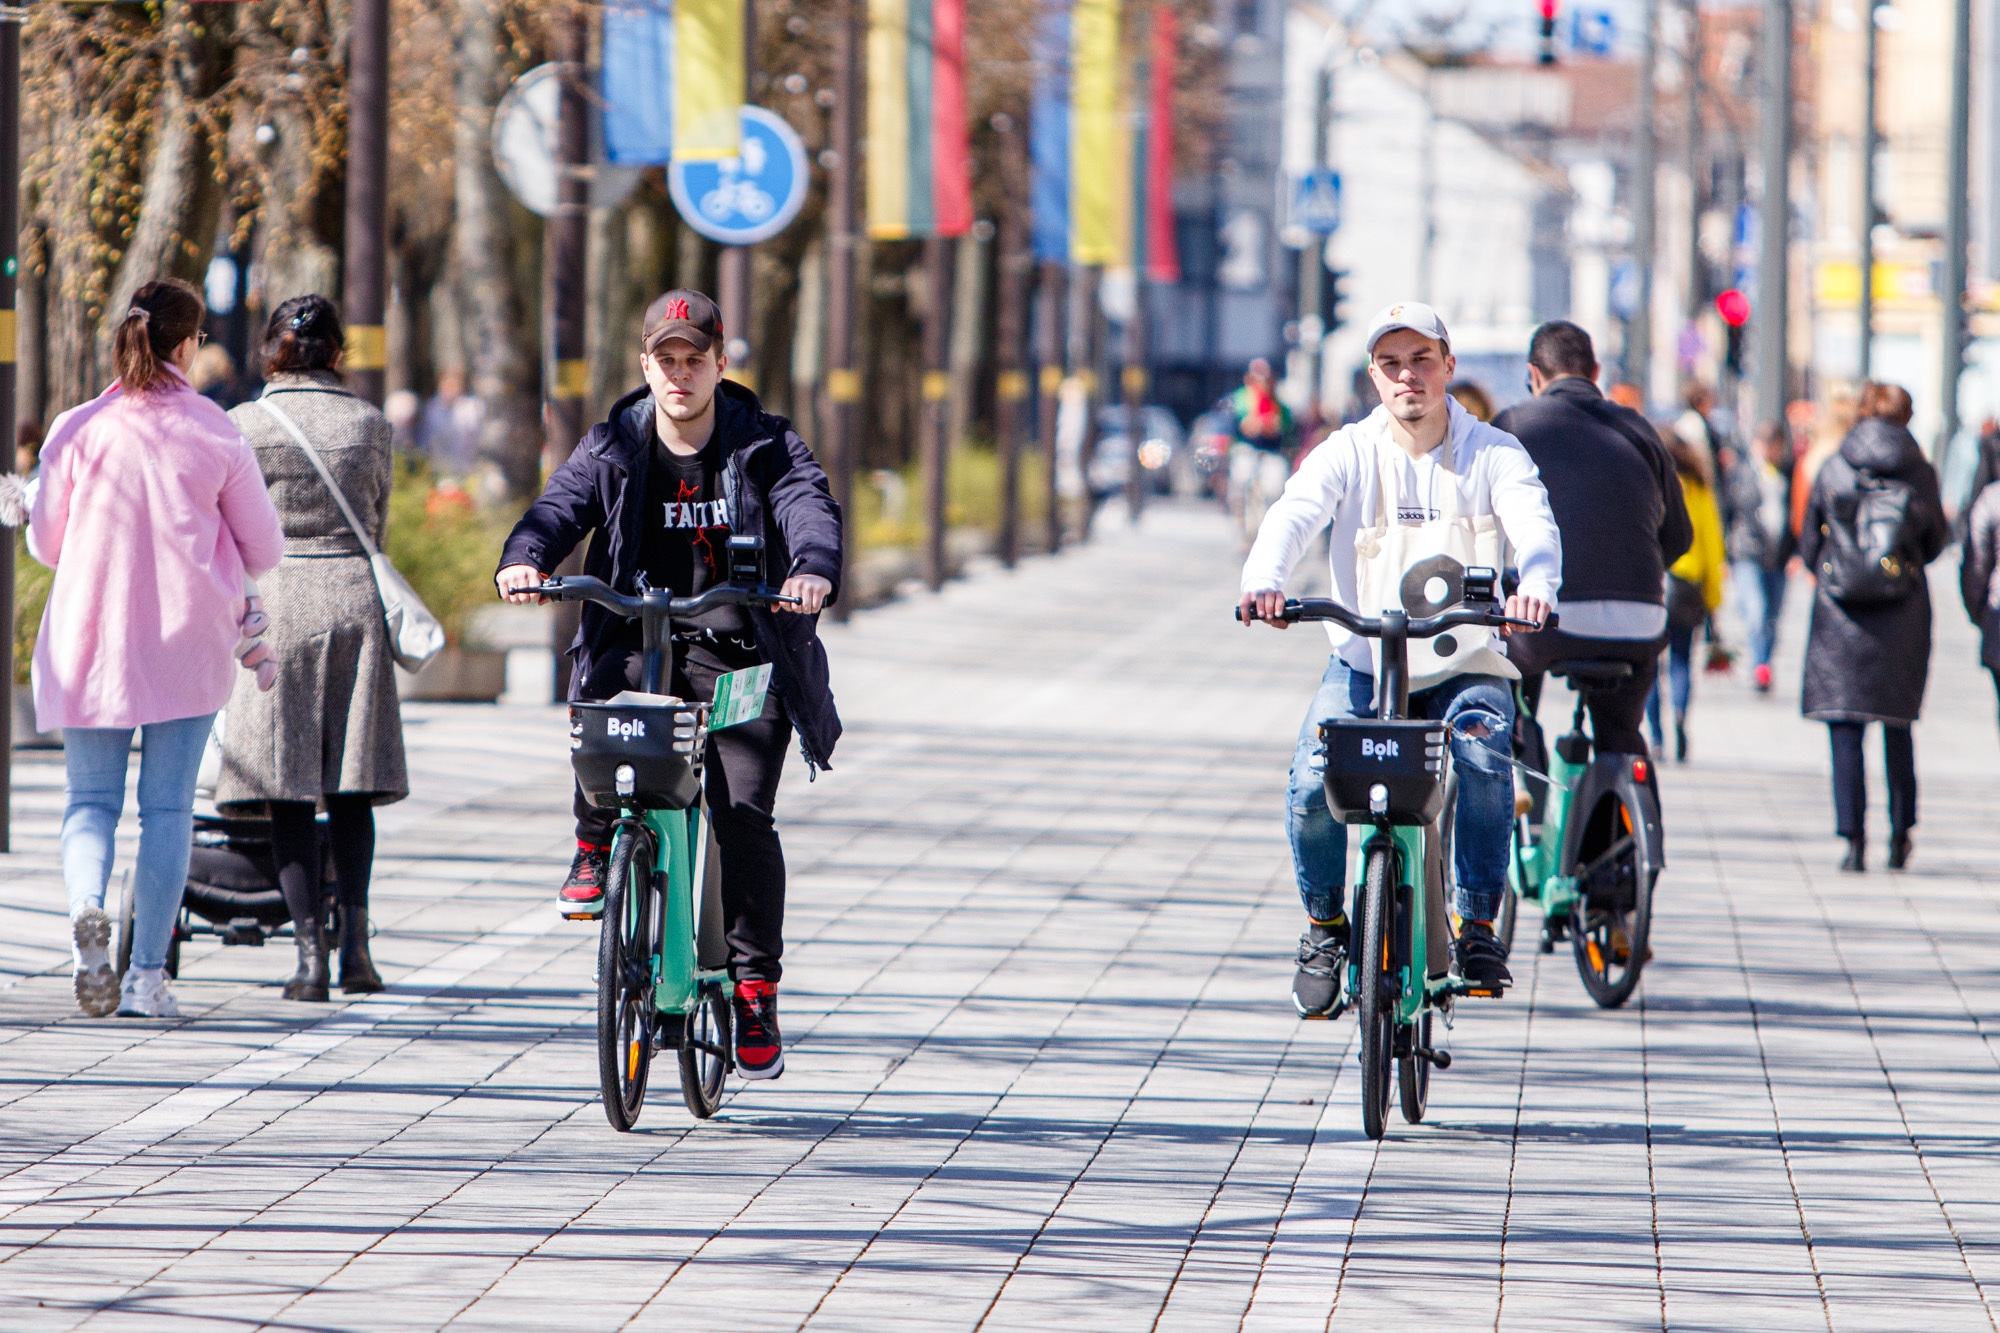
[
  {"x": 1639, "y": 770},
  {"x": 626, "y": 778},
  {"x": 1378, "y": 799},
  {"x": 1153, "y": 454}
]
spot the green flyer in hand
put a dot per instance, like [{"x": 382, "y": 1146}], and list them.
[{"x": 739, "y": 697}]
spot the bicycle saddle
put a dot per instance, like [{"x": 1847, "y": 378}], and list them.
[{"x": 1592, "y": 670}]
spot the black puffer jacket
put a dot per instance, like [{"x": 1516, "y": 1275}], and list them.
[
  {"x": 774, "y": 487},
  {"x": 1870, "y": 663}
]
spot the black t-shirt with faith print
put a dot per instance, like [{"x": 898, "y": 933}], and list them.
[{"x": 685, "y": 534}]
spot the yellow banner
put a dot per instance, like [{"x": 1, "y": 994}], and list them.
[
  {"x": 888, "y": 205},
  {"x": 708, "y": 78},
  {"x": 367, "y": 347},
  {"x": 1098, "y": 170},
  {"x": 1838, "y": 284}
]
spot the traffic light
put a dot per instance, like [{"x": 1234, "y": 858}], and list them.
[
  {"x": 1734, "y": 307},
  {"x": 1548, "y": 31},
  {"x": 1331, "y": 295}
]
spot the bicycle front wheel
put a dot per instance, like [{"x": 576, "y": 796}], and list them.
[
  {"x": 626, "y": 941},
  {"x": 1613, "y": 918},
  {"x": 1376, "y": 1007}
]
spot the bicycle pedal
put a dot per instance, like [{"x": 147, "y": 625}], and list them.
[{"x": 594, "y": 915}]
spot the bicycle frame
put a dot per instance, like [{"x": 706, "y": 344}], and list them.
[
  {"x": 679, "y": 979},
  {"x": 1421, "y": 908}
]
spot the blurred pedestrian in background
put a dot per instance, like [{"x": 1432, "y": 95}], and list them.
[
  {"x": 1979, "y": 573},
  {"x": 1756, "y": 518},
  {"x": 214, "y": 377},
  {"x": 330, "y": 733},
  {"x": 1472, "y": 398},
  {"x": 152, "y": 513},
  {"x": 448, "y": 431},
  {"x": 1260, "y": 458},
  {"x": 1694, "y": 590},
  {"x": 1693, "y": 426},
  {"x": 1813, "y": 436},
  {"x": 1873, "y": 520},
  {"x": 27, "y": 448}
]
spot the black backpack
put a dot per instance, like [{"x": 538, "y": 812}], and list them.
[{"x": 1869, "y": 555}]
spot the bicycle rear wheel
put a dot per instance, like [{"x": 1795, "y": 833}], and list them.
[
  {"x": 1413, "y": 1072},
  {"x": 1613, "y": 918},
  {"x": 705, "y": 1046},
  {"x": 627, "y": 939},
  {"x": 1376, "y": 1008}
]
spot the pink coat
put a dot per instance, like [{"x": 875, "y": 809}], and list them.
[{"x": 151, "y": 511}]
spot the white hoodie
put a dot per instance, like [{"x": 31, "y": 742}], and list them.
[{"x": 1339, "y": 481}]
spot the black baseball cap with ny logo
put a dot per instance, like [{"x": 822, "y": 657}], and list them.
[{"x": 684, "y": 314}]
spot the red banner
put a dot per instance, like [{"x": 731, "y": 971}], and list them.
[{"x": 1163, "y": 261}]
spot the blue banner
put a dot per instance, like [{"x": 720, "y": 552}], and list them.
[
  {"x": 1048, "y": 134},
  {"x": 638, "y": 82}
]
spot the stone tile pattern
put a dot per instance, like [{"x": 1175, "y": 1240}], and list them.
[{"x": 1044, "y": 1072}]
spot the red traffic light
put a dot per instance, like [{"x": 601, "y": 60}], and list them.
[
  {"x": 1548, "y": 8},
  {"x": 1734, "y": 307}
]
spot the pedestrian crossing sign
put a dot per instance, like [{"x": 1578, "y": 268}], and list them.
[{"x": 1316, "y": 202}]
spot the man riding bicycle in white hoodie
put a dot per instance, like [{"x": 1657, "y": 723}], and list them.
[{"x": 1416, "y": 482}]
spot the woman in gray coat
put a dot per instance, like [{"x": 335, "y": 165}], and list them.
[
  {"x": 1869, "y": 661},
  {"x": 329, "y": 733},
  {"x": 1979, "y": 574}
]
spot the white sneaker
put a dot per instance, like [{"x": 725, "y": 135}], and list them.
[
  {"x": 96, "y": 983},
  {"x": 145, "y": 995}
]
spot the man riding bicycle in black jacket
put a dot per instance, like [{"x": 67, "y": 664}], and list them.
[
  {"x": 1618, "y": 503},
  {"x": 677, "y": 468}
]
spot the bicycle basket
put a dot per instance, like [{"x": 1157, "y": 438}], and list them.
[
  {"x": 1404, "y": 757},
  {"x": 661, "y": 742}
]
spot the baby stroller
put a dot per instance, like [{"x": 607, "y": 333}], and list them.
[
  {"x": 232, "y": 890},
  {"x": 232, "y": 886}
]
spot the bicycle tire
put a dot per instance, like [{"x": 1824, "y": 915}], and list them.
[
  {"x": 1376, "y": 1008},
  {"x": 704, "y": 1054},
  {"x": 1599, "y": 934},
  {"x": 627, "y": 938},
  {"x": 1413, "y": 1072}
]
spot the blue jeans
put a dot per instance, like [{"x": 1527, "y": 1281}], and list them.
[
  {"x": 1680, "y": 678},
  {"x": 1763, "y": 597},
  {"x": 1479, "y": 714},
  {"x": 169, "y": 762}
]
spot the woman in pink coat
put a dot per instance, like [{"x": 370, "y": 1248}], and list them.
[{"x": 152, "y": 512}]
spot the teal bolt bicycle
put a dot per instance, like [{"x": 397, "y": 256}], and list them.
[
  {"x": 661, "y": 976},
  {"x": 1393, "y": 772},
  {"x": 1588, "y": 847}
]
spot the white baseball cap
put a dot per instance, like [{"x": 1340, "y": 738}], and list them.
[{"x": 1412, "y": 315}]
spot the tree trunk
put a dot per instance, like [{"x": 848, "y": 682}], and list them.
[{"x": 500, "y": 344}]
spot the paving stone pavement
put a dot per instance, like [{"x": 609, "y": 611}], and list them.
[{"x": 1043, "y": 1069}]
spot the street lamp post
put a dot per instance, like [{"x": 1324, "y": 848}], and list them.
[
  {"x": 1775, "y": 220},
  {"x": 11, "y": 18},
  {"x": 364, "y": 286},
  {"x": 1639, "y": 329},
  {"x": 843, "y": 379},
  {"x": 1870, "y": 146},
  {"x": 1951, "y": 301}
]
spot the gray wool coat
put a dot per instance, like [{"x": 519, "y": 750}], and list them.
[{"x": 331, "y": 723}]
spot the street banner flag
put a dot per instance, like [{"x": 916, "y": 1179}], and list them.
[
  {"x": 1048, "y": 134},
  {"x": 1100, "y": 167},
  {"x": 708, "y": 79},
  {"x": 1163, "y": 261},
  {"x": 638, "y": 82},
  {"x": 919, "y": 146}
]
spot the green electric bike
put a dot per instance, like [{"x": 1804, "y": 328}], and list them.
[
  {"x": 1587, "y": 843},
  {"x": 662, "y": 982},
  {"x": 1393, "y": 773}
]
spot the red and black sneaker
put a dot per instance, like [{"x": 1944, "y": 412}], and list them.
[
  {"x": 759, "y": 1050},
  {"x": 582, "y": 894}
]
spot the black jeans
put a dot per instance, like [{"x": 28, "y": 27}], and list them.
[
  {"x": 295, "y": 846},
  {"x": 1615, "y": 709},
  {"x": 740, "y": 774},
  {"x": 1850, "y": 778}
]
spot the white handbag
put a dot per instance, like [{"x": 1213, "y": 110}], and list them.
[{"x": 415, "y": 636}]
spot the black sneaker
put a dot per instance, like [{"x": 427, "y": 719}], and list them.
[
  {"x": 1482, "y": 960},
  {"x": 582, "y": 894},
  {"x": 1322, "y": 965},
  {"x": 760, "y": 1051}
]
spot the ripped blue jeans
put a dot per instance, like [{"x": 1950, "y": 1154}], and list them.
[{"x": 1479, "y": 714}]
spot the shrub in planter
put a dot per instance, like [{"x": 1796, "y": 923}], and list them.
[
  {"x": 31, "y": 593},
  {"x": 443, "y": 546}
]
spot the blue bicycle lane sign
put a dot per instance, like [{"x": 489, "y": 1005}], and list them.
[{"x": 748, "y": 198}]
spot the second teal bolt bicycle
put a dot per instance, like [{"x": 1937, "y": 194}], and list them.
[{"x": 661, "y": 976}]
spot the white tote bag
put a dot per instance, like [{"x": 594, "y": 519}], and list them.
[
  {"x": 1383, "y": 555},
  {"x": 415, "y": 636}
]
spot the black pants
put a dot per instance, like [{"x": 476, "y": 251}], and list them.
[
  {"x": 1850, "y": 778},
  {"x": 1615, "y": 709},
  {"x": 740, "y": 774},
  {"x": 295, "y": 846}
]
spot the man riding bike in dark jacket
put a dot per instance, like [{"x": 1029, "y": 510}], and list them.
[{"x": 677, "y": 468}]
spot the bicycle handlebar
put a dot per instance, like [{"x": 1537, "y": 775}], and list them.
[
  {"x": 1371, "y": 627},
  {"x": 588, "y": 588}
]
